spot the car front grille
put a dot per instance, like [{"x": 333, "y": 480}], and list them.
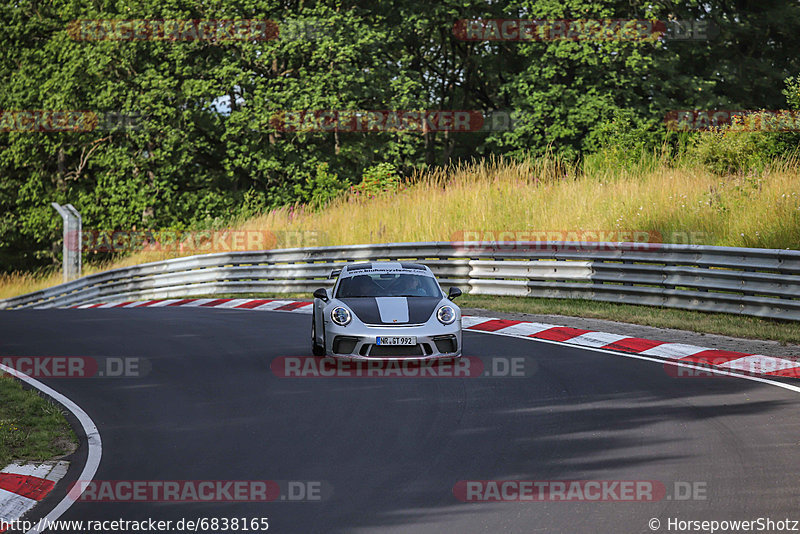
[
  {"x": 379, "y": 351},
  {"x": 397, "y": 325}
]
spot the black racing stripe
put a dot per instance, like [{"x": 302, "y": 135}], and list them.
[
  {"x": 365, "y": 308},
  {"x": 420, "y": 309}
]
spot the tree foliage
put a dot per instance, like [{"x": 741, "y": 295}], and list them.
[{"x": 204, "y": 148}]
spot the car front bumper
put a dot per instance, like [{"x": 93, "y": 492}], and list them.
[{"x": 434, "y": 342}]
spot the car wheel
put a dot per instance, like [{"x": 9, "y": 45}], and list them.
[{"x": 316, "y": 350}]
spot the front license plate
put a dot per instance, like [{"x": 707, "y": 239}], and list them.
[{"x": 396, "y": 340}]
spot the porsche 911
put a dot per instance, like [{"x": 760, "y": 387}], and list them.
[{"x": 386, "y": 310}]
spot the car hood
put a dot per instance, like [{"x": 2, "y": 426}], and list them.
[{"x": 392, "y": 310}]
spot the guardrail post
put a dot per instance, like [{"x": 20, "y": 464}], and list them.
[
  {"x": 73, "y": 224},
  {"x": 77, "y": 239}
]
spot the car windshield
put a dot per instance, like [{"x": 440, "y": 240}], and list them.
[{"x": 388, "y": 285}]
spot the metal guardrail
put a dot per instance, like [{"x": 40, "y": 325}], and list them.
[{"x": 746, "y": 281}]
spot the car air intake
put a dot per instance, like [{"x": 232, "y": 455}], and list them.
[
  {"x": 445, "y": 344},
  {"x": 344, "y": 344}
]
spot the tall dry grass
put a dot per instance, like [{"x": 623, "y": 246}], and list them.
[{"x": 680, "y": 203}]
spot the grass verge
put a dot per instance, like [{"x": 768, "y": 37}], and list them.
[{"x": 31, "y": 427}]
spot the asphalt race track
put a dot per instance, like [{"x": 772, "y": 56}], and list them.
[{"x": 390, "y": 450}]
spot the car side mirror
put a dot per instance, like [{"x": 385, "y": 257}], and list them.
[
  {"x": 321, "y": 294},
  {"x": 453, "y": 293}
]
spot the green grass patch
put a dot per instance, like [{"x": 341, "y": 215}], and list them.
[
  {"x": 693, "y": 321},
  {"x": 31, "y": 427}
]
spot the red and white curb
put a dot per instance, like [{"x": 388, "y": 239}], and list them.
[
  {"x": 23, "y": 486},
  {"x": 723, "y": 359},
  {"x": 757, "y": 364},
  {"x": 250, "y": 304},
  {"x": 94, "y": 455}
]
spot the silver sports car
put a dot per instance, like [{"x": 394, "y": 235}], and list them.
[{"x": 386, "y": 310}]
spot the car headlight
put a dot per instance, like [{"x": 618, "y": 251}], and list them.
[
  {"x": 446, "y": 315},
  {"x": 340, "y": 316}
]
